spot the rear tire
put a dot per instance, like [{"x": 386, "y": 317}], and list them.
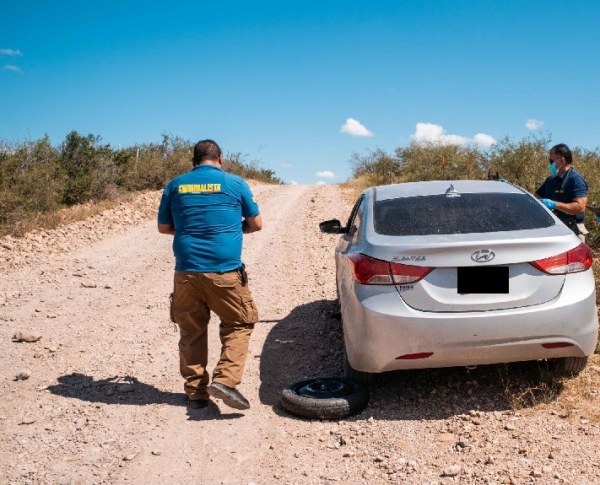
[
  {"x": 366, "y": 378},
  {"x": 338, "y": 305},
  {"x": 569, "y": 366}
]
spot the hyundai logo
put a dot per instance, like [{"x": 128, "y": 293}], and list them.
[{"x": 483, "y": 256}]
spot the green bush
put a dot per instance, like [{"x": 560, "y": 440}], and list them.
[
  {"x": 89, "y": 169},
  {"x": 523, "y": 163},
  {"x": 439, "y": 162},
  {"x": 376, "y": 167},
  {"x": 588, "y": 163},
  {"x": 235, "y": 163},
  {"x": 30, "y": 180},
  {"x": 37, "y": 178}
]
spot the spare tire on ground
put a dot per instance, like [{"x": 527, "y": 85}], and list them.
[{"x": 325, "y": 398}]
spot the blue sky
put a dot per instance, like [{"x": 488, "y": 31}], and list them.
[{"x": 301, "y": 85}]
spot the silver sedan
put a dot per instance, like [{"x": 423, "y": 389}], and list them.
[{"x": 461, "y": 273}]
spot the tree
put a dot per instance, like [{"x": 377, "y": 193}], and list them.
[
  {"x": 377, "y": 166},
  {"x": 523, "y": 163},
  {"x": 435, "y": 161},
  {"x": 89, "y": 168}
]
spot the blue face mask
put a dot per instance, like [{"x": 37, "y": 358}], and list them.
[{"x": 552, "y": 168}]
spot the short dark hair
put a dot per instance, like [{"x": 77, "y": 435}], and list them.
[
  {"x": 563, "y": 150},
  {"x": 493, "y": 175},
  {"x": 206, "y": 150}
]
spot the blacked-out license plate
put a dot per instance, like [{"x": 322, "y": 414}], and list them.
[{"x": 483, "y": 280}]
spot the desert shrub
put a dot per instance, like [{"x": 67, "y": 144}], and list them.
[
  {"x": 89, "y": 169},
  {"x": 235, "y": 163},
  {"x": 434, "y": 161},
  {"x": 37, "y": 178},
  {"x": 30, "y": 180},
  {"x": 523, "y": 163},
  {"x": 152, "y": 165},
  {"x": 147, "y": 168},
  {"x": 588, "y": 163},
  {"x": 416, "y": 162},
  {"x": 376, "y": 167}
]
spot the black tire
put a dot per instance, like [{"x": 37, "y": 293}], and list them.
[
  {"x": 324, "y": 398},
  {"x": 338, "y": 305},
  {"x": 365, "y": 378},
  {"x": 568, "y": 366}
]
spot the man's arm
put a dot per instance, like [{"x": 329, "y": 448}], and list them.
[
  {"x": 252, "y": 224},
  {"x": 166, "y": 229},
  {"x": 573, "y": 208}
]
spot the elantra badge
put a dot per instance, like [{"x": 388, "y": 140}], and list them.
[{"x": 483, "y": 256}]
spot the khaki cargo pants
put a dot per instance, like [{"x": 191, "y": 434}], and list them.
[{"x": 194, "y": 296}]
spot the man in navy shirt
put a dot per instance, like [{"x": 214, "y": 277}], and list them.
[
  {"x": 565, "y": 191},
  {"x": 208, "y": 211}
]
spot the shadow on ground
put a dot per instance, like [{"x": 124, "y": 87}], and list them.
[
  {"x": 130, "y": 391},
  {"x": 308, "y": 343}
]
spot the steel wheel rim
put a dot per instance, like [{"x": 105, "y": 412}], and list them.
[{"x": 324, "y": 388}]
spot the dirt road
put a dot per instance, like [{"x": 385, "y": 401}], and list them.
[{"x": 103, "y": 402}]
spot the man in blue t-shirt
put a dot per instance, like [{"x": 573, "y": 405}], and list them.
[
  {"x": 565, "y": 191},
  {"x": 208, "y": 211}
]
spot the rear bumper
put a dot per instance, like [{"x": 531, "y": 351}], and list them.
[{"x": 379, "y": 327}]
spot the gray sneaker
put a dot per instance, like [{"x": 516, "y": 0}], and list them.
[{"x": 229, "y": 395}]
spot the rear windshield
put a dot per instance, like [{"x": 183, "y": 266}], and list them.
[{"x": 467, "y": 213}]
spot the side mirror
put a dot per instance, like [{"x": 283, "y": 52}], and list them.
[{"x": 333, "y": 226}]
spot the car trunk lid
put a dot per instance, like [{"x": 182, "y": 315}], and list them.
[{"x": 474, "y": 273}]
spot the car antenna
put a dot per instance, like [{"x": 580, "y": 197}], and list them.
[{"x": 451, "y": 192}]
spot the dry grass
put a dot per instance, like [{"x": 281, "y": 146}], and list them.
[
  {"x": 52, "y": 220},
  {"x": 354, "y": 187},
  {"x": 533, "y": 385},
  {"x": 596, "y": 269},
  {"x": 581, "y": 394}
]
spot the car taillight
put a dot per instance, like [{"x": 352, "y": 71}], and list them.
[
  {"x": 573, "y": 261},
  {"x": 371, "y": 271}
]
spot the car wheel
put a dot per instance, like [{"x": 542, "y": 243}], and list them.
[
  {"x": 338, "y": 304},
  {"x": 324, "y": 398},
  {"x": 366, "y": 378},
  {"x": 569, "y": 366}
]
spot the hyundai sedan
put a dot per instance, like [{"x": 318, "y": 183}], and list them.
[{"x": 461, "y": 273}]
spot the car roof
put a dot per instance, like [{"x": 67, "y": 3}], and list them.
[{"x": 438, "y": 187}]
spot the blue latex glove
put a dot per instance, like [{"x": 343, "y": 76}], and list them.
[
  {"x": 549, "y": 203},
  {"x": 503, "y": 180}
]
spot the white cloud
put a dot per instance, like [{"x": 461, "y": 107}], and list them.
[
  {"x": 355, "y": 128},
  {"x": 325, "y": 174},
  {"x": 432, "y": 133},
  {"x": 320, "y": 182},
  {"x": 10, "y": 67},
  {"x": 293, "y": 182},
  {"x": 285, "y": 165},
  {"x": 533, "y": 124},
  {"x": 10, "y": 52},
  {"x": 484, "y": 140}
]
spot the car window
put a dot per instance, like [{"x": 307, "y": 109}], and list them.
[
  {"x": 356, "y": 223},
  {"x": 463, "y": 214},
  {"x": 351, "y": 220}
]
